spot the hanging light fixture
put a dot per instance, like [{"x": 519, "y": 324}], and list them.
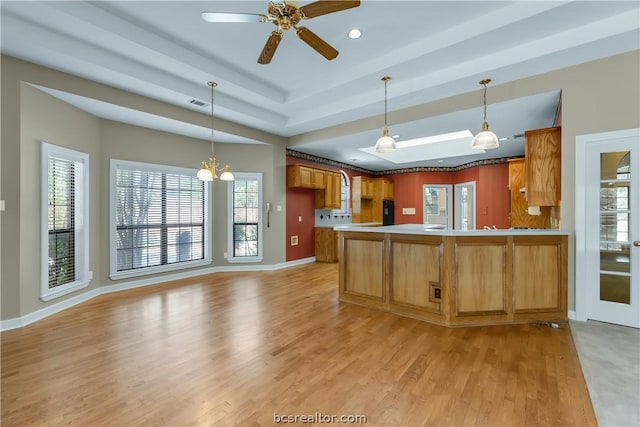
[
  {"x": 209, "y": 170},
  {"x": 485, "y": 139},
  {"x": 385, "y": 144}
]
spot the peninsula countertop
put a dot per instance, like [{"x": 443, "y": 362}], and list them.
[{"x": 421, "y": 229}]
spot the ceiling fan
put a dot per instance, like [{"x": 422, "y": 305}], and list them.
[{"x": 287, "y": 15}]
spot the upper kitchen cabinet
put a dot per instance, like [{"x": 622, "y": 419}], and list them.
[
  {"x": 305, "y": 177},
  {"x": 518, "y": 214},
  {"x": 330, "y": 197},
  {"x": 362, "y": 187},
  {"x": 542, "y": 166},
  {"x": 383, "y": 188},
  {"x": 327, "y": 183}
]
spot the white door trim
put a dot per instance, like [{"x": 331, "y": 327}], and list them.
[{"x": 583, "y": 142}]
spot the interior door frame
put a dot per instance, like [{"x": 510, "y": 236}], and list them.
[{"x": 583, "y": 143}]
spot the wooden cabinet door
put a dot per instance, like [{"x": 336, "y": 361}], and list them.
[
  {"x": 368, "y": 188},
  {"x": 518, "y": 214},
  {"x": 306, "y": 176},
  {"x": 387, "y": 189},
  {"x": 331, "y": 196},
  {"x": 542, "y": 154},
  {"x": 318, "y": 179},
  {"x": 326, "y": 245},
  {"x": 333, "y": 191}
]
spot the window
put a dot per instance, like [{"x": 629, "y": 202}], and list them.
[
  {"x": 158, "y": 220},
  {"x": 245, "y": 218},
  {"x": 345, "y": 194},
  {"x": 437, "y": 205},
  {"x": 65, "y": 215}
]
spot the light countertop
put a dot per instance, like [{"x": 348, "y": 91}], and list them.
[
  {"x": 351, "y": 224},
  {"x": 420, "y": 229}
]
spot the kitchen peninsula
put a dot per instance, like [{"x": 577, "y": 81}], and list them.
[{"x": 456, "y": 278}]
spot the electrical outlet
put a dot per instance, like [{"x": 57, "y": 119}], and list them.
[
  {"x": 224, "y": 255},
  {"x": 90, "y": 275},
  {"x": 294, "y": 240},
  {"x": 279, "y": 208},
  {"x": 300, "y": 219}
]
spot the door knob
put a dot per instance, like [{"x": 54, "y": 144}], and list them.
[{"x": 636, "y": 243}]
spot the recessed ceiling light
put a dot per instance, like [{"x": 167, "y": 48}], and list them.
[
  {"x": 503, "y": 139},
  {"x": 355, "y": 33},
  {"x": 395, "y": 136},
  {"x": 440, "y": 161}
]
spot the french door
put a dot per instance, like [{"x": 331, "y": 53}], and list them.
[{"x": 608, "y": 259}]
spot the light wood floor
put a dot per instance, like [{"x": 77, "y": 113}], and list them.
[{"x": 233, "y": 349}]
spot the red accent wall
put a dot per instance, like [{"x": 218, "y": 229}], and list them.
[
  {"x": 492, "y": 205},
  {"x": 492, "y": 200},
  {"x": 492, "y": 193},
  {"x": 301, "y": 203},
  {"x": 407, "y": 192}
]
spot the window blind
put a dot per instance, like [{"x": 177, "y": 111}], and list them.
[
  {"x": 159, "y": 218},
  {"x": 61, "y": 221}
]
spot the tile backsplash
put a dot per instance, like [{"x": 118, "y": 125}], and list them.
[{"x": 326, "y": 217}]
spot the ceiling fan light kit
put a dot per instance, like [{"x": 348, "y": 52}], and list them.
[
  {"x": 485, "y": 139},
  {"x": 208, "y": 170},
  {"x": 285, "y": 16},
  {"x": 385, "y": 144}
]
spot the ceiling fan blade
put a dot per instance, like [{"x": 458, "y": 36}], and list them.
[
  {"x": 270, "y": 47},
  {"x": 322, "y": 7},
  {"x": 233, "y": 17},
  {"x": 321, "y": 46}
]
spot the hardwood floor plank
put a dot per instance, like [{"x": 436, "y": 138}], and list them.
[{"x": 233, "y": 349}]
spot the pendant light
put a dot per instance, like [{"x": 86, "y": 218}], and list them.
[
  {"x": 209, "y": 169},
  {"x": 385, "y": 144},
  {"x": 485, "y": 139}
]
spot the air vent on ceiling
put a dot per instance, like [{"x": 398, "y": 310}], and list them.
[{"x": 198, "y": 103}]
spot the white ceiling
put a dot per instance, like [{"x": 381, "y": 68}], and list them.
[{"x": 432, "y": 49}]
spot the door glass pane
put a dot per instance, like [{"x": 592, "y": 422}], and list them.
[
  {"x": 614, "y": 227},
  {"x": 615, "y": 215},
  {"x": 613, "y": 165},
  {"x": 615, "y": 257},
  {"x": 614, "y": 196},
  {"x": 436, "y": 205},
  {"x": 615, "y": 288}
]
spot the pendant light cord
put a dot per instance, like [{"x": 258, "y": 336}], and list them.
[
  {"x": 212, "y": 84},
  {"x": 485, "y": 102},
  {"x": 385, "y": 103},
  {"x": 385, "y": 79}
]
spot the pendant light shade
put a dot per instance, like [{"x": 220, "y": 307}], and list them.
[
  {"x": 485, "y": 139},
  {"x": 208, "y": 171},
  {"x": 385, "y": 144}
]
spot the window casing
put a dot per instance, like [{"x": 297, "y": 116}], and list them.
[
  {"x": 65, "y": 217},
  {"x": 345, "y": 195},
  {"x": 245, "y": 218},
  {"x": 159, "y": 219}
]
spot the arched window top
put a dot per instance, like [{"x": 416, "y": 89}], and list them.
[{"x": 345, "y": 194}]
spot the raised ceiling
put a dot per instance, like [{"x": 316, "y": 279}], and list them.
[{"x": 432, "y": 49}]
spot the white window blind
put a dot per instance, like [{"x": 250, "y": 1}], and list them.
[
  {"x": 64, "y": 217},
  {"x": 159, "y": 218}
]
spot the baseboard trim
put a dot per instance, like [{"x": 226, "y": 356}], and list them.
[{"x": 27, "y": 319}]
